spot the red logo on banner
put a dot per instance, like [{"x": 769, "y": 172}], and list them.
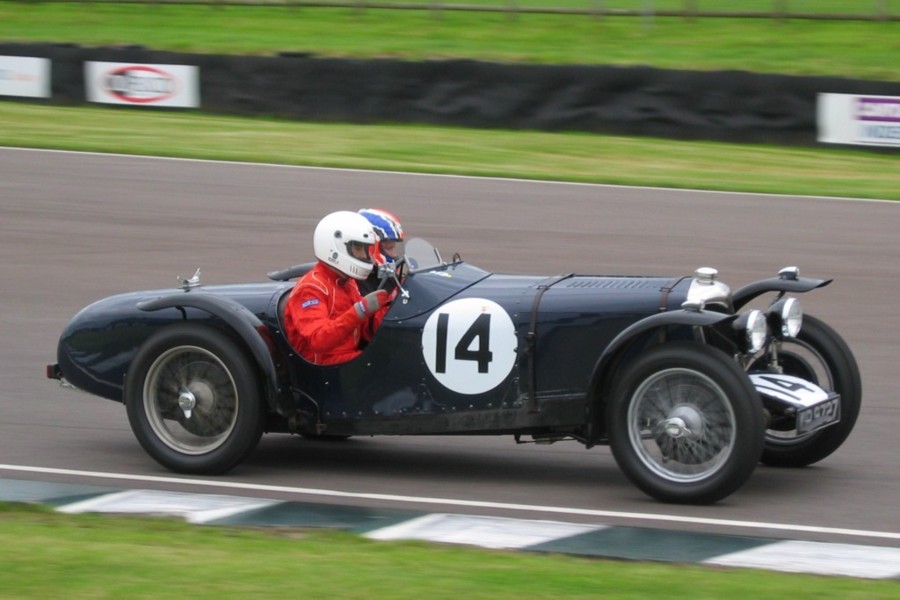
[{"x": 140, "y": 84}]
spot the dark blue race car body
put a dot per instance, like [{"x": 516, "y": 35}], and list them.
[{"x": 465, "y": 351}]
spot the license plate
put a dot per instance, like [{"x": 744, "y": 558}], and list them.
[
  {"x": 815, "y": 407},
  {"x": 819, "y": 416}
]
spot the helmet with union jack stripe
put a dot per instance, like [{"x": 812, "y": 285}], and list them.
[{"x": 390, "y": 234}]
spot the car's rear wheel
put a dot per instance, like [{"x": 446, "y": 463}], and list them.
[
  {"x": 685, "y": 424},
  {"x": 193, "y": 400},
  {"x": 819, "y": 355}
]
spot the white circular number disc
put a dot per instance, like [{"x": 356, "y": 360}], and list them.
[{"x": 469, "y": 345}]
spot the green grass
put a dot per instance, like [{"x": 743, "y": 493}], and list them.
[
  {"x": 577, "y": 157},
  {"x": 849, "y": 49},
  {"x": 858, "y": 49},
  {"x": 853, "y": 7},
  {"x": 52, "y": 555}
]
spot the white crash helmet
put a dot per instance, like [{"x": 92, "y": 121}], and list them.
[{"x": 334, "y": 238}]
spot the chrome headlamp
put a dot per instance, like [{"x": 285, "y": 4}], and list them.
[
  {"x": 752, "y": 331},
  {"x": 785, "y": 317}
]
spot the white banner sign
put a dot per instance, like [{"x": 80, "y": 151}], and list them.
[
  {"x": 142, "y": 85},
  {"x": 862, "y": 120},
  {"x": 24, "y": 76}
]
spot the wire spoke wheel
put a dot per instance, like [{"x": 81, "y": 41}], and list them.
[
  {"x": 818, "y": 354},
  {"x": 191, "y": 400},
  {"x": 681, "y": 425},
  {"x": 685, "y": 424}
]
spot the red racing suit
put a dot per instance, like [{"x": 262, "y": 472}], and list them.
[{"x": 321, "y": 321}]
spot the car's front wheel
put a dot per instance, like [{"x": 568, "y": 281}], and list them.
[
  {"x": 685, "y": 424},
  {"x": 193, "y": 400},
  {"x": 821, "y": 356}
]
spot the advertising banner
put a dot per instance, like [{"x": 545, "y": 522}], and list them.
[
  {"x": 142, "y": 84},
  {"x": 24, "y": 76},
  {"x": 860, "y": 120}
]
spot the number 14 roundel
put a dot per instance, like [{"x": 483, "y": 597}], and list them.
[{"x": 469, "y": 345}]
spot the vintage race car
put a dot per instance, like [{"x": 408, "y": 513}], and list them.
[{"x": 689, "y": 386}]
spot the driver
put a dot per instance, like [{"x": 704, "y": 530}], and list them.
[
  {"x": 326, "y": 319},
  {"x": 388, "y": 247}
]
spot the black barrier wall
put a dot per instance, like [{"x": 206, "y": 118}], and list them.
[{"x": 724, "y": 106}]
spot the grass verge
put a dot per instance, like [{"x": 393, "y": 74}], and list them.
[
  {"x": 577, "y": 157},
  {"x": 855, "y": 49},
  {"x": 48, "y": 555}
]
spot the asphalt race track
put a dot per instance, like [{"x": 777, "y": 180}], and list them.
[{"x": 78, "y": 227}]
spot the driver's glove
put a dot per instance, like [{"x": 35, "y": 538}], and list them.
[{"x": 370, "y": 304}]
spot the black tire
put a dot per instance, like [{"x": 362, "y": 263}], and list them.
[
  {"x": 193, "y": 400},
  {"x": 819, "y": 355},
  {"x": 685, "y": 424}
]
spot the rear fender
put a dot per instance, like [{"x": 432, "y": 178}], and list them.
[
  {"x": 611, "y": 359},
  {"x": 241, "y": 321},
  {"x": 291, "y": 272}
]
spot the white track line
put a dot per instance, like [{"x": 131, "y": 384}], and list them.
[{"x": 559, "y": 510}]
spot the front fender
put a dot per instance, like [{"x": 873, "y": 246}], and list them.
[
  {"x": 775, "y": 284},
  {"x": 242, "y": 322},
  {"x": 601, "y": 378}
]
